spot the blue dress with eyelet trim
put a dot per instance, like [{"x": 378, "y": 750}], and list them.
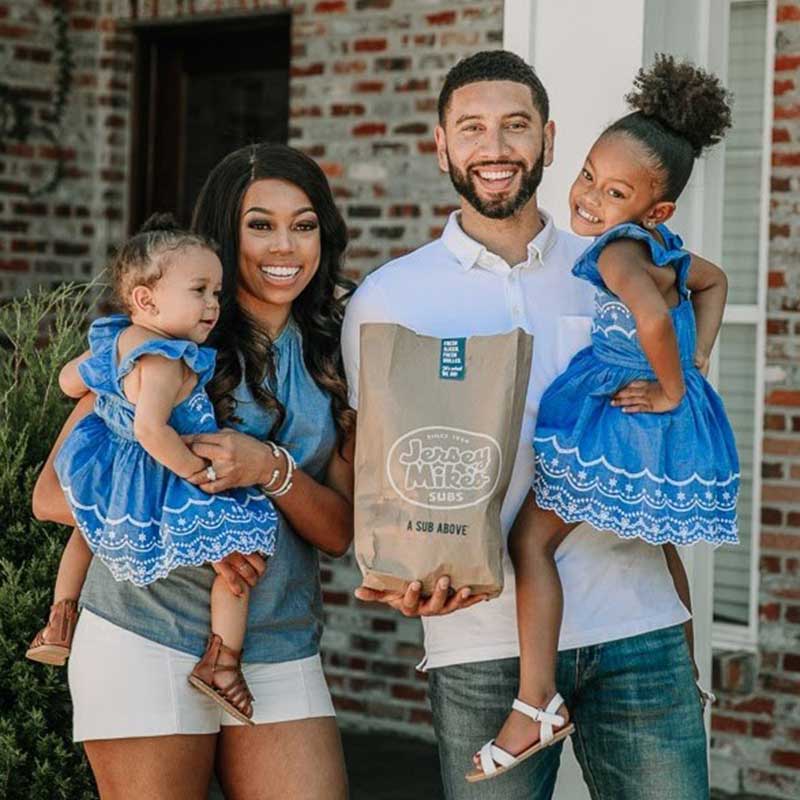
[
  {"x": 671, "y": 477},
  {"x": 138, "y": 517}
]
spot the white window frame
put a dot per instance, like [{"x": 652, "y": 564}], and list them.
[{"x": 730, "y": 636}]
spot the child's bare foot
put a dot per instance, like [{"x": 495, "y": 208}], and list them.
[
  {"x": 218, "y": 675},
  {"x": 53, "y": 643}
]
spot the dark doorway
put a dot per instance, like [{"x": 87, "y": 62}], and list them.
[{"x": 203, "y": 89}]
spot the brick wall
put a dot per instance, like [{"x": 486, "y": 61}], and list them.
[
  {"x": 756, "y": 727},
  {"x": 365, "y": 76}
]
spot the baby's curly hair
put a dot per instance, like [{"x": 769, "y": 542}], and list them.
[
  {"x": 679, "y": 110},
  {"x": 141, "y": 261}
]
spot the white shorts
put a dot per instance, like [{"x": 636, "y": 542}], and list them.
[{"x": 124, "y": 685}]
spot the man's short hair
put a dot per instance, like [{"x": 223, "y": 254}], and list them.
[{"x": 493, "y": 65}]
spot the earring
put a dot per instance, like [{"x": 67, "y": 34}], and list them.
[{"x": 649, "y": 224}]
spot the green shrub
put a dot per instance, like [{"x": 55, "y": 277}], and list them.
[{"x": 38, "y": 334}]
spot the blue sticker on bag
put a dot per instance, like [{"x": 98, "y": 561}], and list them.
[{"x": 452, "y": 359}]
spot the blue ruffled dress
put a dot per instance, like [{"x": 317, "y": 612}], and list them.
[
  {"x": 671, "y": 477},
  {"x": 140, "y": 518}
]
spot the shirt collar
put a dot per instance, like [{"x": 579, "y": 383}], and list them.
[{"x": 469, "y": 252}]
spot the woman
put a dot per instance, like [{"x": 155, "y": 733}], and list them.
[{"x": 146, "y": 732}]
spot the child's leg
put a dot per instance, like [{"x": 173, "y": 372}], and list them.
[
  {"x": 72, "y": 569},
  {"x": 218, "y": 673},
  {"x": 681, "y": 582},
  {"x": 533, "y": 540},
  {"x": 229, "y": 613},
  {"x": 52, "y": 644},
  {"x": 532, "y": 543}
]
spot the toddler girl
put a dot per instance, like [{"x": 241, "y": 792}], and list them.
[
  {"x": 125, "y": 471},
  {"x": 631, "y": 437}
]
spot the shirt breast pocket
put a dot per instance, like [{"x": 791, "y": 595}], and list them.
[{"x": 574, "y": 333}]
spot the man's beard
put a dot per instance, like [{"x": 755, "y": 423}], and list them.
[{"x": 508, "y": 206}]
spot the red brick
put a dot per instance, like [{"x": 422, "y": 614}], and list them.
[
  {"x": 426, "y": 147},
  {"x": 780, "y": 184},
  {"x": 770, "y": 564},
  {"x": 770, "y": 612},
  {"x": 369, "y": 45},
  {"x": 336, "y": 598},
  {"x": 37, "y": 55},
  {"x": 421, "y": 716},
  {"x": 413, "y": 128},
  {"x": 413, "y": 85},
  {"x": 781, "y": 494},
  {"x": 725, "y": 724},
  {"x": 405, "y": 210},
  {"x": 762, "y": 730},
  {"x": 442, "y": 18},
  {"x": 780, "y": 135},
  {"x": 785, "y": 160},
  {"x": 784, "y": 397},
  {"x": 774, "y": 422},
  {"x": 792, "y": 614},
  {"x": 370, "y": 129},
  {"x": 770, "y": 516},
  {"x": 347, "y": 109},
  {"x": 779, "y": 232},
  {"x": 755, "y": 705},
  {"x": 347, "y": 703},
  {"x": 14, "y": 265},
  {"x": 787, "y": 62},
  {"x": 402, "y": 692},
  {"x": 13, "y": 32},
  {"x": 788, "y": 13},
  {"x": 777, "y": 327},
  {"x": 307, "y": 70},
  {"x": 368, "y": 87},
  {"x": 780, "y": 541},
  {"x": 772, "y": 471},
  {"x": 349, "y": 67},
  {"x": 786, "y": 758},
  {"x": 783, "y": 86},
  {"x": 782, "y": 447},
  {"x": 380, "y": 625},
  {"x": 330, "y": 7}
]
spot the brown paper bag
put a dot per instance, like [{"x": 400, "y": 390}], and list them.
[{"x": 438, "y": 430}]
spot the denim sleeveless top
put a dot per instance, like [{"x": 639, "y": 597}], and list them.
[{"x": 285, "y": 617}]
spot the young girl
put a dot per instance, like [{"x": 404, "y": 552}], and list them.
[
  {"x": 631, "y": 437},
  {"x": 125, "y": 471}
]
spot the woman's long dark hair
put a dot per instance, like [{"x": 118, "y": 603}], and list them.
[{"x": 244, "y": 349}]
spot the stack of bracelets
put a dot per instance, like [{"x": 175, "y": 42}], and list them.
[{"x": 291, "y": 464}]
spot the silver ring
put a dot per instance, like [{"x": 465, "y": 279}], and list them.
[{"x": 211, "y": 473}]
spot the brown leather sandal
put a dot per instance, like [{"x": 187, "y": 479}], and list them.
[
  {"x": 53, "y": 643},
  {"x": 235, "y": 698}
]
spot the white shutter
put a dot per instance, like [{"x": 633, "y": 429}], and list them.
[{"x": 740, "y": 354}]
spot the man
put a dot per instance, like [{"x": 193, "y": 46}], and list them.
[{"x": 624, "y": 669}]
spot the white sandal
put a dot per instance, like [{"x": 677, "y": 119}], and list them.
[{"x": 495, "y": 761}]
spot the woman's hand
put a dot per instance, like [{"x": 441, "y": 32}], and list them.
[
  {"x": 237, "y": 460},
  {"x": 239, "y": 570},
  {"x": 644, "y": 397}
]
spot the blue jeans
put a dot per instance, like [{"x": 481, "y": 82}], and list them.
[{"x": 638, "y": 718}]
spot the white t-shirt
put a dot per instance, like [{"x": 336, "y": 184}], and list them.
[{"x": 454, "y": 287}]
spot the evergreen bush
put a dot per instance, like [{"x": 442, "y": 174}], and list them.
[{"x": 38, "y": 335}]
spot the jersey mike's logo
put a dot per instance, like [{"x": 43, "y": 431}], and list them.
[{"x": 444, "y": 468}]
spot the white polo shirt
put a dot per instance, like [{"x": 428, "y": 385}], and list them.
[{"x": 455, "y": 287}]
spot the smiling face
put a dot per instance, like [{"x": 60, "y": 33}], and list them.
[
  {"x": 184, "y": 302},
  {"x": 279, "y": 249},
  {"x": 495, "y": 146},
  {"x": 617, "y": 183}
]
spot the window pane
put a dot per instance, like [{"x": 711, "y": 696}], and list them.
[
  {"x": 737, "y": 357},
  {"x": 743, "y": 151}
]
